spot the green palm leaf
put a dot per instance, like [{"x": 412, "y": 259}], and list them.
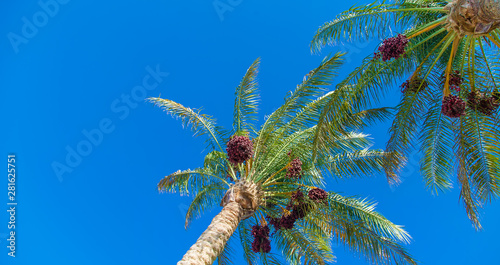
[
  {"x": 201, "y": 124},
  {"x": 183, "y": 181},
  {"x": 357, "y": 164},
  {"x": 313, "y": 86},
  {"x": 437, "y": 146},
  {"x": 247, "y": 99},
  {"x": 208, "y": 197},
  {"x": 368, "y": 21},
  {"x": 245, "y": 238}
]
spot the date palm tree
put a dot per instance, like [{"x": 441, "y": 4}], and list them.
[
  {"x": 274, "y": 181},
  {"x": 449, "y": 53}
]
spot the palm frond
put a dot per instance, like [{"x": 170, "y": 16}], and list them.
[
  {"x": 279, "y": 154},
  {"x": 208, "y": 197},
  {"x": 356, "y": 164},
  {"x": 368, "y": 117},
  {"x": 355, "y": 223},
  {"x": 312, "y": 87},
  {"x": 368, "y": 21},
  {"x": 297, "y": 241},
  {"x": 201, "y": 124},
  {"x": 227, "y": 255},
  {"x": 313, "y": 113},
  {"x": 247, "y": 99},
  {"x": 404, "y": 130},
  {"x": 363, "y": 87},
  {"x": 189, "y": 180},
  {"x": 483, "y": 154},
  {"x": 245, "y": 236},
  {"x": 269, "y": 259},
  {"x": 467, "y": 194},
  {"x": 364, "y": 211},
  {"x": 218, "y": 163},
  {"x": 437, "y": 145}
]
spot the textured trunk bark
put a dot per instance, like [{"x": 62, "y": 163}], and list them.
[{"x": 211, "y": 243}]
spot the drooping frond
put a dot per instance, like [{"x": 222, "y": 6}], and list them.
[
  {"x": 244, "y": 233},
  {"x": 467, "y": 194},
  {"x": 356, "y": 224},
  {"x": 201, "y": 124},
  {"x": 403, "y": 131},
  {"x": 356, "y": 164},
  {"x": 437, "y": 148},
  {"x": 350, "y": 221},
  {"x": 269, "y": 259},
  {"x": 187, "y": 181},
  {"x": 363, "y": 210},
  {"x": 208, "y": 197},
  {"x": 227, "y": 255},
  {"x": 372, "y": 20},
  {"x": 483, "y": 150},
  {"x": 246, "y": 102},
  {"x": 297, "y": 244},
  {"x": 486, "y": 170}
]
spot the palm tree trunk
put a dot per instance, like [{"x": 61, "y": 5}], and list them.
[{"x": 211, "y": 243}]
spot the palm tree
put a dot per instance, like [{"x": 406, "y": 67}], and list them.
[
  {"x": 449, "y": 52},
  {"x": 274, "y": 181}
]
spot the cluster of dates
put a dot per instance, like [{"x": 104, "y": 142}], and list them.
[
  {"x": 297, "y": 208},
  {"x": 239, "y": 149},
  {"x": 453, "y": 106},
  {"x": 483, "y": 103},
  {"x": 392, "y": 48},
  {"x": 261, "y": 239},
  {"x": 455, "y": 80},
  {"x": 294, "y": 170},
  {"x": 414, "y": 85}
]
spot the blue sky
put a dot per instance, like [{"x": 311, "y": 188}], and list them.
[{"x": 74, "y": 72}]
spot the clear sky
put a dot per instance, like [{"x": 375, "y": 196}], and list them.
[{"x": 69, "y": 70}]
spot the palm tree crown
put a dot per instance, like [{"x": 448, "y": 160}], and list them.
[
  {"x": 448, "y": 52},
  {"x": 269, "y": 181}
]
